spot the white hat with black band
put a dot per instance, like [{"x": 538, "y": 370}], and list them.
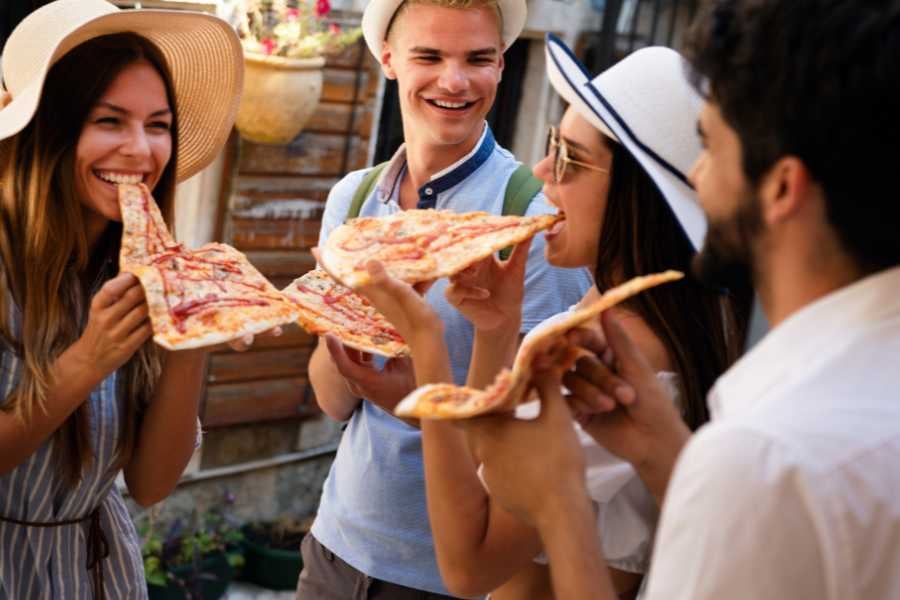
[{"x": 645, "y": 103}]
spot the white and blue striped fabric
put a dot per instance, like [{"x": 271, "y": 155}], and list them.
[{"x": 50, "y": 563}]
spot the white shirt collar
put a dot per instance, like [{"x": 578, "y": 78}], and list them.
[{"x": 816, "y": 331}]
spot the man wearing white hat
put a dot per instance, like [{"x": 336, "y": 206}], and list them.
[
  {"x": 371, "y": 538},
  {"x": 791, "y": 492}
]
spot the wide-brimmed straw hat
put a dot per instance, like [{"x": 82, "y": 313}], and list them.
[
  {"x": 202, "y": 51},
  {"x": 379, "y": 14},
  {"x": 646, "y": 103}
]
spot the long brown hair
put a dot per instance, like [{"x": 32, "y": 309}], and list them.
[
  {"x": 703, "y": 330},
  {"x": 48, "y": 272}
]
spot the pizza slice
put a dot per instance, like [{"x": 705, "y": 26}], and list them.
[
  {"x": 513, "y": 386},
  {"x": 325, "y": 306},
  {"x": 422, "y": 245},
  {"x": 196, "y": 297}
]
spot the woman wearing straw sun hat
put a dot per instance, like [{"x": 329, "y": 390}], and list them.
[
  {"x": 94, "y": 96},
  {"x": 617, "y": 166}
]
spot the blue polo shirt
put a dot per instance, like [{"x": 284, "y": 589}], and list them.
[{"x": 372, "y": 513}]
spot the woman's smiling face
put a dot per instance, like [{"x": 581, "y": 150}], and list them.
[
  {"x": 581, "y": 194},
  {"x": 127, "y": 138}
]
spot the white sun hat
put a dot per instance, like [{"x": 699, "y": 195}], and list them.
[
  {"x": 202, "y": 52},
  {"x": 645, "y": 103},
  {"x": 379, "y": 13}
]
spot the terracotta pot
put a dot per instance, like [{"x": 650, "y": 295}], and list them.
[{"x": 280, "y": 95}]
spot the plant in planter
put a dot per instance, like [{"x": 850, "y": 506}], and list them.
[
  {"x": 284, "y": 42},
  {"x": 272, "y": 552},
  {"x": 194, "y": 561}
]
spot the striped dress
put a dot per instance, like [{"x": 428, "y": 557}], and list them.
[{"x": 50, "y": 563}]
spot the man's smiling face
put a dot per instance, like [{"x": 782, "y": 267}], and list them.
[{"x": 447, "y": 63}]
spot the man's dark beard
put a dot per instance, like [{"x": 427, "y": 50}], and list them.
[{"x": 726, "y": 259}]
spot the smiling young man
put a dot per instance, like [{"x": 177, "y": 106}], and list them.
[
  {"x": 371, "y": 537},
  {"x": 792, "y": 491}
]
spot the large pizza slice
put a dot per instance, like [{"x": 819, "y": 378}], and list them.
[
  {"x": 328, "y": 307},
  {"x": 196, "y": 297},
  {"x": 421, "y": 245},
  {"x": 513, "y": 387}
]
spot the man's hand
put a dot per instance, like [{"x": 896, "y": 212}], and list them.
[
  {"x": 384, "y": 388},
  {"x": 529, "y": 463},
  {"x": 489, "y": 293},
  {"x": 623, "y": 405}
]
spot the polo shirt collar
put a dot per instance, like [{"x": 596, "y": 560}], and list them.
[
  {"x": 442, "y": 180},
  {"x": 815, "y": 333}
]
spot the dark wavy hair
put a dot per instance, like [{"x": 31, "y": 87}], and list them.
[
  {"x": 819, "y": 80},
  {"x": 703, "y": 330}
]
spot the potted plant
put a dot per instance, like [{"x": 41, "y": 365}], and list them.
[
  {"x": 191, "y": 562},
  {"x": 272, "y": 552},
  {"x": 284, "y": 42}
]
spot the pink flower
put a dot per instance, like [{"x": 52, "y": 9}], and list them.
[
  {"x": 268, "y": 45},
  {"x": 334, "y": 28},
  {"x": 292, "y": 14},
  {"x": 322, "y": 8}
]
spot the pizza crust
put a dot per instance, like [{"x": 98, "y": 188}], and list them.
[
  {"x": 513, "y": 387},
  {"x": 422, "y": 245}
]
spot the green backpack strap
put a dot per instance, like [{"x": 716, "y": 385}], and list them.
[
  {"x": 521, "y": 189},
  {"x": 364, "y": 190}
]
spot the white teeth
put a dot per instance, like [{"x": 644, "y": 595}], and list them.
[
  {"x": 444, "y": 104},
  {"x": 119, "y": 177}
]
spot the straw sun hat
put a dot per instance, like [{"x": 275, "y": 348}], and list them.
[
  {"x": 202, "y": 52},
  {"x": 379, "y": 14},
  {"x": 645, "y": 103}
]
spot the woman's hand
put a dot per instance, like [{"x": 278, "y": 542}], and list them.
[
  {"x": 489, "y": 293},
  {"x": 243, "y": 343},
  {"x": 403, "y": 306},
  {"x": 118, "y": 325}
]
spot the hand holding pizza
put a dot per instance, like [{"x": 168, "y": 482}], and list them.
[
  {"x": 528, "y": 464},
  {"x": 623, "y": 406},
  {"x": 489, "y": 293},
  {"x": 384, "y": 388},
  {"x": 118, "y": 325}
]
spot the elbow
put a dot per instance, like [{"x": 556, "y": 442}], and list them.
[
  {"x": 465, "y": 582},
  {"x": 146, "y": 499}
]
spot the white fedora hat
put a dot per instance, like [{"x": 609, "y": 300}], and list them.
[
  {"x": 646, "y": 103},
  {"x": 379, "y": 14},
  {"x": 203, "y": 54}
]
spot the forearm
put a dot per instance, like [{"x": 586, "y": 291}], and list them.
[
  {"x": 168, "y": 432},
  {"x": 656, "y": 470},
  {"x": 71, "y": 384},
  {"x": 569, "y": 532},
  {"x": 331, "y": 391},
  {"x": 478, "y": 545},
  {"x": 491, "y": 352}
]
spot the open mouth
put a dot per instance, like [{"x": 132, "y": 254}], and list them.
[
  {"x": 116, "y": 177},
  {"x": 557, "y": 227},
  {"x": 450, "y": 105}
]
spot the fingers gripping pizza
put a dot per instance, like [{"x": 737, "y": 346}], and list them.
[
  {"x": 513, "y": 387},
  {"x": 196, "y": 297},
  {"x": 328, "y": 307},
  {"x": 422, "y": 245}
]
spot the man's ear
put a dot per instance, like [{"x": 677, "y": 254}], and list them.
[
  {"x": 785, "y": 190},
  {"x": 500, "y": 66},
  {"x": 386, "y": 56}
]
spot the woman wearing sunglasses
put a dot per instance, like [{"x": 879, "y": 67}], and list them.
[{"x": 617, "y": 167}]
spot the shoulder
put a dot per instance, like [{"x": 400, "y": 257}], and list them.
[
  {"x": 646, "y": 340},
  {"x": 339, "y": 198}
]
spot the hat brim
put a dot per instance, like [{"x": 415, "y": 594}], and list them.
[
  {"x": 572, "y": 81},
  {"x": 204, "y": 57},
  {"x": 379, "y": 13}
]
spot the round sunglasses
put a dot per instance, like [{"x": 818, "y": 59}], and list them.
[{"x": 561, "y": 160}]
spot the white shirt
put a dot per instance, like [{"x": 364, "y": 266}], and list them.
[{"x": 793, "y": 492}]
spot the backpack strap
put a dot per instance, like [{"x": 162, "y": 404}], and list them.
[
  {"x": 364, "y": 190},
  {"x": 521, "y": 189}
]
